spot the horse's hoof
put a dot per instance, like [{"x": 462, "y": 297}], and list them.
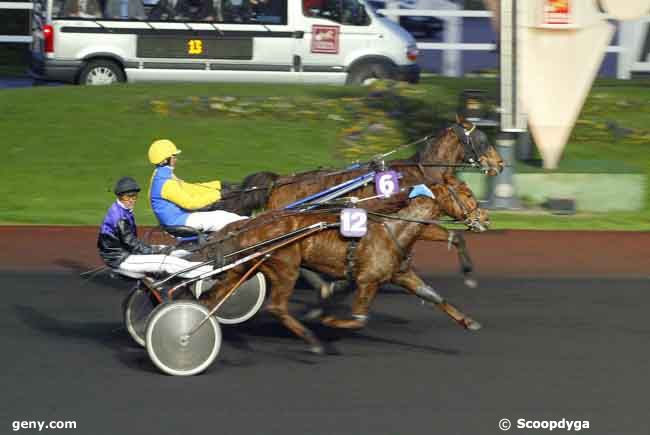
[
  {"x": 317, "y": 349},
  {"x": 471, "y": 282},
  {"x": 313, "y": 314},
  {"x": 326, "y": 290},
  {"x": 471, "y": 324}
]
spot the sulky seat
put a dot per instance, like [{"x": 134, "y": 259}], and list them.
[{"x": 185, "y": 234}]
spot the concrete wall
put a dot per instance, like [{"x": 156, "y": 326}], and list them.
[{"x": 592, "y": 192}]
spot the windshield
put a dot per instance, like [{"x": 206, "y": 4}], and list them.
[{"x": 348, "y": 12}]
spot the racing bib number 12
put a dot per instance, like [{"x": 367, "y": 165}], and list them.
[{"x": 354, "y": 222}]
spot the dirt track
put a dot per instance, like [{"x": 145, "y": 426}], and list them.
[
  {"x": 495, "y": 253},
  {"x": 564, "y": 337}
]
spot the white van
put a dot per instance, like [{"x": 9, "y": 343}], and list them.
[{"x": 292, "y": 41}]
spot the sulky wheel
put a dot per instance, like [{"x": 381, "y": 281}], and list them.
[
  {"x": 244, "y": 302},
  {"x": 170, "y": 345},
  {"x": 137, "y": 308}
]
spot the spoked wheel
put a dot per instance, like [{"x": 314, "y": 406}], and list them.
[
  {"x": 137, "y": 308},
  {"x": 243, "y": 303},
  {"x": 170, "y": 345}
]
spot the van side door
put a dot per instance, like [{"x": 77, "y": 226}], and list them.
[{"x": 335, "y": 31}]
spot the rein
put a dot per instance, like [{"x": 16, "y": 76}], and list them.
[
  {"x": 376, "y": 160},
  {"x": 417, "y": 221}
]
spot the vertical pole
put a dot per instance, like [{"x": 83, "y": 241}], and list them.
[
  {"x": 393, "y": 4},
  {"x": 524, "y": 146},
  {"x": 452, "y": 34},
  {"x": 627, "y": 34},
  {"x": 502, "y": 188}
]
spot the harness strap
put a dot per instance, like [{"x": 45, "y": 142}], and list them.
[
  {"x": 404, "y": 257},
  {"x": 351, "y": 260}
]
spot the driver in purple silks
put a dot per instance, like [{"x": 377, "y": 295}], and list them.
[{"x": 120, "y": 247}]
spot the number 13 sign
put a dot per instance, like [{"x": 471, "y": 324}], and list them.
[{"x": 354, "y": 222}]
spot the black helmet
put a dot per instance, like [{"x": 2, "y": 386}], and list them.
[{"x": 126, "y": 185}]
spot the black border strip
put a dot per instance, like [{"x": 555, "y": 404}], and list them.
[
  {"x": 217, "y": 34},
  {"x": 323, "y": 68},
  {"x": 170, "y": 65},
  {"x": 200, "y": 66},
  {"x": 248, "y": 67}
]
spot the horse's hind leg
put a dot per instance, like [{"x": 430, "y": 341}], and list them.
[
  {"x": 282, "y": 284},
  {"x": 410, "y": 281},
  {"x": 435, "y": 233}
]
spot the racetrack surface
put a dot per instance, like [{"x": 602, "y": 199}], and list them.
[{"x": 569, "y": 343}]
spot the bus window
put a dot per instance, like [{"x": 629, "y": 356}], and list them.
[
  {"x": 77, "y": 9},
  {"x": 124, "y": 10},
  {"x": 348, "y": 12}
]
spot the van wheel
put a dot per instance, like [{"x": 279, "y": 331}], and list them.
[
  {"x": 101, "y": 72},
  {"x": 367, "y": 73}
]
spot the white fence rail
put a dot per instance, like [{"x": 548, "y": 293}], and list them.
[
  {"x": 16, "y": 5},
  {"x": 452, "y": 45}
]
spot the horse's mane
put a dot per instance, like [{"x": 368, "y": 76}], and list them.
[
  {"x": 250, "y": 195},
  {"x": 419, "y": 155}
]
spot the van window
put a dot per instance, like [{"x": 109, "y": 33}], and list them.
[
  {"x": 77, "y": 9},
  {"x": 348, "y": 12},
  {"x": 212, "y": 11}
]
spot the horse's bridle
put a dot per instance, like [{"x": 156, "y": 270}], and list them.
[
  {"x": 472, "y": 155},
  {"x": 473, "y": 223}
]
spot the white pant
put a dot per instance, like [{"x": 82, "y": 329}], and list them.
[
  {"x": 155, "y": 263},
  {"x": 209, "y": 221}
]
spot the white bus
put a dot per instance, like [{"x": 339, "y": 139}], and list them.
[{"x": 292, "y": 41}]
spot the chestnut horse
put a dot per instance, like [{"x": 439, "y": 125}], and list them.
[
  {"x": 462, "y": 143},
  {"x": 381, "y": 257},
  {"x": 458, "y": 144}
]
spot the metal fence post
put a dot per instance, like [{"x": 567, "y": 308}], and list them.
[
  {"x": 501, "y": 187},
  {"x": 392, "y": 4},
  {"x": 524, "y": 146}
]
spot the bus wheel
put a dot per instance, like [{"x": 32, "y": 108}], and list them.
[
  {"x": 367, "y": 73},
  {"x": 101, "y": 72}
]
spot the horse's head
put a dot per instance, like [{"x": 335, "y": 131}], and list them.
[
  {"x": 477, "y": 149},
  {"x": 457, "y": 200}
]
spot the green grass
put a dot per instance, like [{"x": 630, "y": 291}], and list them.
[
  {"x": 627, "y": 221},
  {"x": 65, "y": 146}
]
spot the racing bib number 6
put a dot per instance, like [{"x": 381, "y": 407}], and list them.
[
  {"x": 386, "y": 183},
  {"x": 354, "y": 222}
]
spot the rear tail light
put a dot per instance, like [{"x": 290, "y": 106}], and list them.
[
  {"x": 412, "y": 53},
  {"x": 48, "y": 43}
]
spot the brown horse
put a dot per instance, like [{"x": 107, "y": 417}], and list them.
[
  {"x": 381, "y": 257},
  {"x": 458, "y": 144},
  {"x": 462, "y": 143}
]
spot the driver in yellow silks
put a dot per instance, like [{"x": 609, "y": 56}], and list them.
[{"x": 176, "y": 202}]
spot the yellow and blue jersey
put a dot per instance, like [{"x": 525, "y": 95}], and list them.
[{"x": 172, "y": 199}]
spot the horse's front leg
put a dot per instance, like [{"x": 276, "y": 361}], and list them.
[
  {"x": 410, "y": 281},
  {"x": 436, "y": 233},
  {"x": 365, "y": 295}
]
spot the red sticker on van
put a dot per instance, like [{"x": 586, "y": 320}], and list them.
[
  {"x": 325, "y": 39},
  {"x": 557, "y": 12}
]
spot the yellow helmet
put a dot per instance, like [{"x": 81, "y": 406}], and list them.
[{"x": 162, "y": 149}]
